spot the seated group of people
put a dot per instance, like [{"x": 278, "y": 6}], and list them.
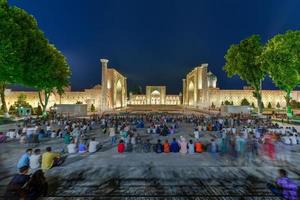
[
  {"x": 162, "y": 130},
  {"x": 175, "y": 146},
  {"x": 92, "y": 147},
  {"x": 37, "y": 160}
]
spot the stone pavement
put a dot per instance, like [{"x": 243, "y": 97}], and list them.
[{"x": 110, "y": 175}]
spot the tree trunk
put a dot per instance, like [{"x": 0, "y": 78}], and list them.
[
  {"x": 288, "y": 103},
  {"x": 2, "y": 94},
  {"x": 46, "y": 99},
  {"x": 257, "y": 95}
]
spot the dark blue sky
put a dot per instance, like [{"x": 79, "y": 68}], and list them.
[{"x": 156, "y": 42}]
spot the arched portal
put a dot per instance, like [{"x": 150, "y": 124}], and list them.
[
  {"x": 155, "y": 97},
  {"x": 119, "y": 96},
  {"x": 191, "y": 89}
]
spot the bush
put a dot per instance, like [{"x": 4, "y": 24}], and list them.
[
  {"x": 39, "y": 110},
  {"x": 295, "y": 104},
  {"x": 253, "y": 105},
  {"x": 269, "y": 105},
  {"x": 245, "y": 102},
  {"x": 227, "y": 102},
  {"x": 278, "y": 105},
  {"x": 93, "y": 109},
  {"x": 12, "y": 110},
  {"x": 79, "y": 102},
  {"x": 213, "y": 106}
]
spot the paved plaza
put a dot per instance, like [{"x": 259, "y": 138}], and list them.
[{"x": 109, "y": 175}]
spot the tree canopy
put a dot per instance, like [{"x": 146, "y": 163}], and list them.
[
  {"x": 26, "y": 56},
  {"x": 241, "y": 60},
  {"x": 281, "y": 60}
]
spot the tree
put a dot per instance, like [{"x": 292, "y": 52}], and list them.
[
  {"x": 262, "y": 105},
  {"x": 93, "y": 109},
  {"x": 269, "y": 105},
  {"x": 278, "y": 105},
  {"x": 79, "y": 102},
  {"x": 20, "y": 37},
  {"x": 245, "y": 102},
  {"x": 252, "y": 105},
  {"x": 48, "y": 73},
  {"x": 281, "y": 60},
  {"x": 241, "y": 60}
]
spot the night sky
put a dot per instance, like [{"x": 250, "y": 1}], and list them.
[{"x": 156, "y": 42}]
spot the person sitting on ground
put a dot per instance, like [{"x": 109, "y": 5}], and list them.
[
  {"x": 147, "y": 146},
  {"x": 2, "y": 137},
  {"x": 67, "y": 138},
  {"x": 51, "y": 159},
  {"x": 15, "y": 189},
  {"x": 72, "y": 148},
  {"x": 121, "y": 147},
  {"x": 94, "y": 146},
  {"x": 128, "y": 146},
  {"x": 198, "y": 147},
  {"x": 166, "y": 146},
  {"x": 158, "y": 148},
  {"x": 284, "y": 186},
  {"x": 35, "y": 159},
  {"x": 183, "y": 145},
  {"x": 25, "y": 159},
  {"x": 191, "y": 147},
  {"x": 82, "y": 147},
  {"x": 174, "y": 146},
  {"x": 37, "y": 186},
  {"x": 23, "y": 138}
]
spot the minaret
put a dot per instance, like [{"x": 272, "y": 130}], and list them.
[
  {"x": 104, "y": 84},
  {"x": 183, "y": 92}
]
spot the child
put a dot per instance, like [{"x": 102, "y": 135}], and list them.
[{"x": 121, "y": 147}]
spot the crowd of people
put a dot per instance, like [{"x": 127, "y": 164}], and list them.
[{"x": 240, "y": 137}]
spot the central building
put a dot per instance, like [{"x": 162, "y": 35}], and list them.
[{"x": 155, "y": 95}]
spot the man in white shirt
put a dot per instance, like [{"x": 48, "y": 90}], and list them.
[
  {"x": 35, "y": 159},
  {"x": 93, "y": 146},
  {"x": 72, "y": 147}
]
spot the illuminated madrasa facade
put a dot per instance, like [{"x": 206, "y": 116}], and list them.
[
  {"x": 110, "y": 94},
  {"x": 199, "y": 91}
]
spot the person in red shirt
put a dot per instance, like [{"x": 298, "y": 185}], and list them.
[{"x": 121, "y": 147}]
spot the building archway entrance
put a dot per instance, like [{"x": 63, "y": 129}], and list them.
[{"x": 155, "y": 97}]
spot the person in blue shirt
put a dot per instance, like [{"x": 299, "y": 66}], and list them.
[
  {"x": 158, "y": 148},
  {"x": 174, "y": 146},
  {"x": 25, "y": 158}
]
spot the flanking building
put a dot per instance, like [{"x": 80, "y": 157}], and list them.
[
  {"x": 200, "y": 91},
  {"x": 110, "y": 94}
]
